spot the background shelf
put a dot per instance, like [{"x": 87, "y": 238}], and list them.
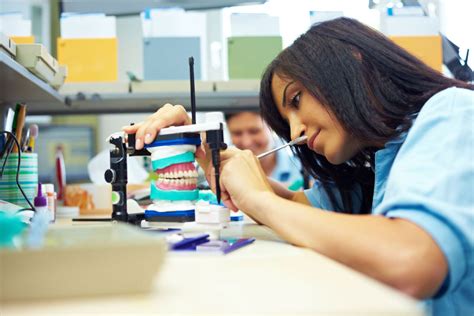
[
  {"x": 17, "y": 84},
  {"x": 148, "y": 96}
]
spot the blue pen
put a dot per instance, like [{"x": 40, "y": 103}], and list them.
[
  {"x": 190, "y": 243},
  {"x": 238, "y": 244}
]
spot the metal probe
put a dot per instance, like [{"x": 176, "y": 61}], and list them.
[{"x": 296, "y": 141}]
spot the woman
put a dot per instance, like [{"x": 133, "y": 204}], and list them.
[{"x": 390, "y": 142}]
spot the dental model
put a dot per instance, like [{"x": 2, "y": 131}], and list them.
[
  {"x": 174, "y": 194},
  {"x": 175, "y": 191}
]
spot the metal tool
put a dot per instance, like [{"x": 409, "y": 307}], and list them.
[{"x": 296, "y": 141}]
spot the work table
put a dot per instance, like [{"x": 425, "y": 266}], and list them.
[{"x": 266, "y": 277}]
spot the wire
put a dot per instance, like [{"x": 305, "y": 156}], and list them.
[{"x": 17, "y": 167}]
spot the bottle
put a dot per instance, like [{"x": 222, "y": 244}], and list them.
[
  {"x": 60, "y": 174},
  {"x": 39, "y": 222},
  {"x": 40, "y": 202},
  {"x": 51, "y": 199}
]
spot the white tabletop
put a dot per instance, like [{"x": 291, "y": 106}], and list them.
[{"x": 266, "y": 277}]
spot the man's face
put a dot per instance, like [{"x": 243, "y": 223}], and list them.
[{"x": 248, "y": 131}]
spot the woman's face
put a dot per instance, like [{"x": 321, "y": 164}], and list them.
[{"x": 307, "y": 116}]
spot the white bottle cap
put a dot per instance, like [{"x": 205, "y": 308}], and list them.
[{"x": 48, "y": 188}]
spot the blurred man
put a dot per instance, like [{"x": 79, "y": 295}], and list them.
[{"x": 248, "y": 131}]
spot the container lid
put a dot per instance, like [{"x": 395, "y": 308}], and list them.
[
  {"x": 48, "y": 188},
  {"x": 40, "y": 200}
]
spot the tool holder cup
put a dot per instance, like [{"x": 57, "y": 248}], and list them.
[{"x": 28, "y": 178}]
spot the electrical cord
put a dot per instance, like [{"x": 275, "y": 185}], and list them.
[{"x": 8, "y": 151}]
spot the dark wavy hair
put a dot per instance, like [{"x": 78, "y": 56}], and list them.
[{"x": 373, "y": 87}]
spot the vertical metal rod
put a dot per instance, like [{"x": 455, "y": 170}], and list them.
[{"x": 193, "y": 94}]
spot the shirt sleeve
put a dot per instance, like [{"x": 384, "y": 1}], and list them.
[
  {"x": 431, "y": 182},
  {"x": 319, "y": 197},
  {"x": 287, "y": 169}
]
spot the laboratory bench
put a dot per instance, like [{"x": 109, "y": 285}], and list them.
[{"x": 267, "y": 277}]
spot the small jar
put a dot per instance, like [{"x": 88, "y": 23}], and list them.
[{"x": 52, "y": 200}]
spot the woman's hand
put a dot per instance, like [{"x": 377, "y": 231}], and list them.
[
  {"x": 167, "y": 115},
  {"x": 242, "y": 180}
]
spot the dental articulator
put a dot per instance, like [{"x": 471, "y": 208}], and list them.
[{"x": 175, "y": 196}]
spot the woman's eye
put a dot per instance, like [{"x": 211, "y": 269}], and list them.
[{"x": 295, "y": 101}]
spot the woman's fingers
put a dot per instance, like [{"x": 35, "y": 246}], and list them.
[
  {"x": 130, "y": 129},
  {"x": 168, "y": 115},
  {"x": 230, "y": 152},
  {"x": 211, "y": 179},
  {"x": 227, "y": 200}
]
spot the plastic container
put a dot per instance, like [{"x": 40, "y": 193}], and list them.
[
  {"x": 28, "y": 179},
  {"x": 36, "y": 59},
  {"x": 51, "y": 198}
]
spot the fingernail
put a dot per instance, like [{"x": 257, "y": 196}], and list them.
[
  {"x": 138, "y": 143},
  {"x": 148, "y": 138}
]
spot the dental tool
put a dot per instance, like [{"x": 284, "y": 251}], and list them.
[{"x": 294, "y": 142}]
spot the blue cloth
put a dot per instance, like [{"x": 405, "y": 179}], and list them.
[
  {"x": 318, "y": 197},
  {"x": 427, "y": 177},
  {"x": 287, "y": 169}
]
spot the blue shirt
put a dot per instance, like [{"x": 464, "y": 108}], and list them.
[
  {"x": 287, "y": 169},
  {"x": 427, "y": 177}
]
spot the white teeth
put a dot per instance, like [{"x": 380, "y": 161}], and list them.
[{"x": 178, "y": 174}]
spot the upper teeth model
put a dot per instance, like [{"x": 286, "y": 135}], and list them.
[{"x": 174, "y": 165}]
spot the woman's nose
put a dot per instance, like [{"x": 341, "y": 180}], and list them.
[{"x": 297, "y": 128}]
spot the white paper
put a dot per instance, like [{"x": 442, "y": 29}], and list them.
[
  {"x": 100, "y": 163},
  {"x": 88, "y": 26},
  {"x": 14, "y": 25},
  {"x": 254, "y": 24}
]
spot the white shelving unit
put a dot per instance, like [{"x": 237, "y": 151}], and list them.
[
  {"x": 97, "y": 98},
  {"x": 17, "y": 84}
]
